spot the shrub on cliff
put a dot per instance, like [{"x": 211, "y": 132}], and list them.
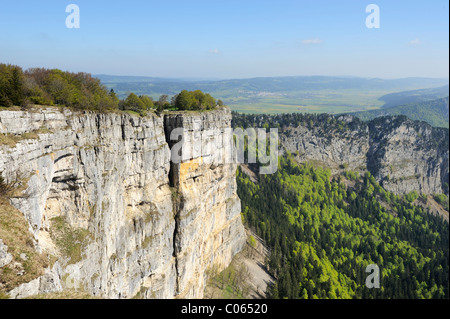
[
  {"x": 80, "y": 90},
  {"x": 53, "y": 87},
  {"x": 194, "y": 100},
  {"x": 133, "y": 103},
  {"x": 12, "y": 90},
  {"x": 140, "y": 104}
]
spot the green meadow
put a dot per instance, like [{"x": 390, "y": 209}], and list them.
[{"x": 318, "y": 102}]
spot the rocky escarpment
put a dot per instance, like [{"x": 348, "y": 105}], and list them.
[
  {"x": 403, "y": 155},
  {"x": 408, "y": 156},
  {"x": 208, "y": 223},
  {"x": 106, "y": 183}
]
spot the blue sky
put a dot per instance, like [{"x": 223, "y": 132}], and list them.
[{"x": 229, "y": 39}]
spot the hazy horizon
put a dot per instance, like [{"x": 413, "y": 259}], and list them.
[{"x": 273, "y": 76}]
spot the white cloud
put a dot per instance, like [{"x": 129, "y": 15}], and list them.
[
  {"x": 215, "y": 51},
  {"x": 415, "y": 42},
  {"x": 312, "y": 41}
]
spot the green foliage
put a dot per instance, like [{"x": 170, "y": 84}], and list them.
[
  {"x": 81, "y": 90},
  {"x": 252, "y": 241},
  {"x": 443, "y": 200},
  {"x": 148, "y": 102},
  {"x": 194, "y": 100},
  {"x": 78, "y": 90},
  {"x": 184, "y": 101},
  {"x": 435, "y": 112},
  {"x": 414, "y": 96},
  {"x": 323, "y": 234},
  {"x": 163, "y": 103},
  {"x": 412, "y": 196},
  {"x": 53, "y": 87},
  {"x": 114, "y": 96},
  {"x": 12, "y": 91},
  {"x": 231, "y": 283},
  {"x": 133, "y": 103}
]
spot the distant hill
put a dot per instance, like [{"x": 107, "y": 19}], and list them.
[
  {"x": 310, "y": 94},
  {"x": 435, "y": 112},
  {"x": 105, "y": 79},
  {"x": 414, "y": 96},
  {"x": 269, "y": 84}
]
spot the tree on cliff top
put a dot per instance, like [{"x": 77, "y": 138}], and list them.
[
  {"x": 50, "y": 87},
  {"x": 80, "y": 90},
  {"x": 194, "y": 100},
  {"x": 11, "y": 85}
]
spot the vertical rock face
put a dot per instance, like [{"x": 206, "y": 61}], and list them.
[
  {"x": 329, "y": 148},
  {"x": 146, "y": 230},
  {"x": 409, "y": 156},
  {"x": 209, "y": 230},
  {"x": 403, "y": 155}
]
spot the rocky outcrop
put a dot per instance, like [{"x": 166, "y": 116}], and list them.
[
  {"x": 107, "y": 179},
  {"x": 5, "y": 257},
  {"x": 334, "y": 149},
  {"x": 408, "y": 156},
  {"x": 208, "y": 223},
  {"x": 403, "y": 155}
]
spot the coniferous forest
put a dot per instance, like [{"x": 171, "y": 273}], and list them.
[{"x": 324, "y": 231}]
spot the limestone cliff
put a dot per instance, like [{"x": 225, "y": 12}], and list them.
[
  {"x": 208, "y": 221},
  {"x": 145, "y": 227},
  {"x": 403, "y": 155}
]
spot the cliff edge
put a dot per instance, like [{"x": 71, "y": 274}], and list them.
[{"x": 114, "y": 215}]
